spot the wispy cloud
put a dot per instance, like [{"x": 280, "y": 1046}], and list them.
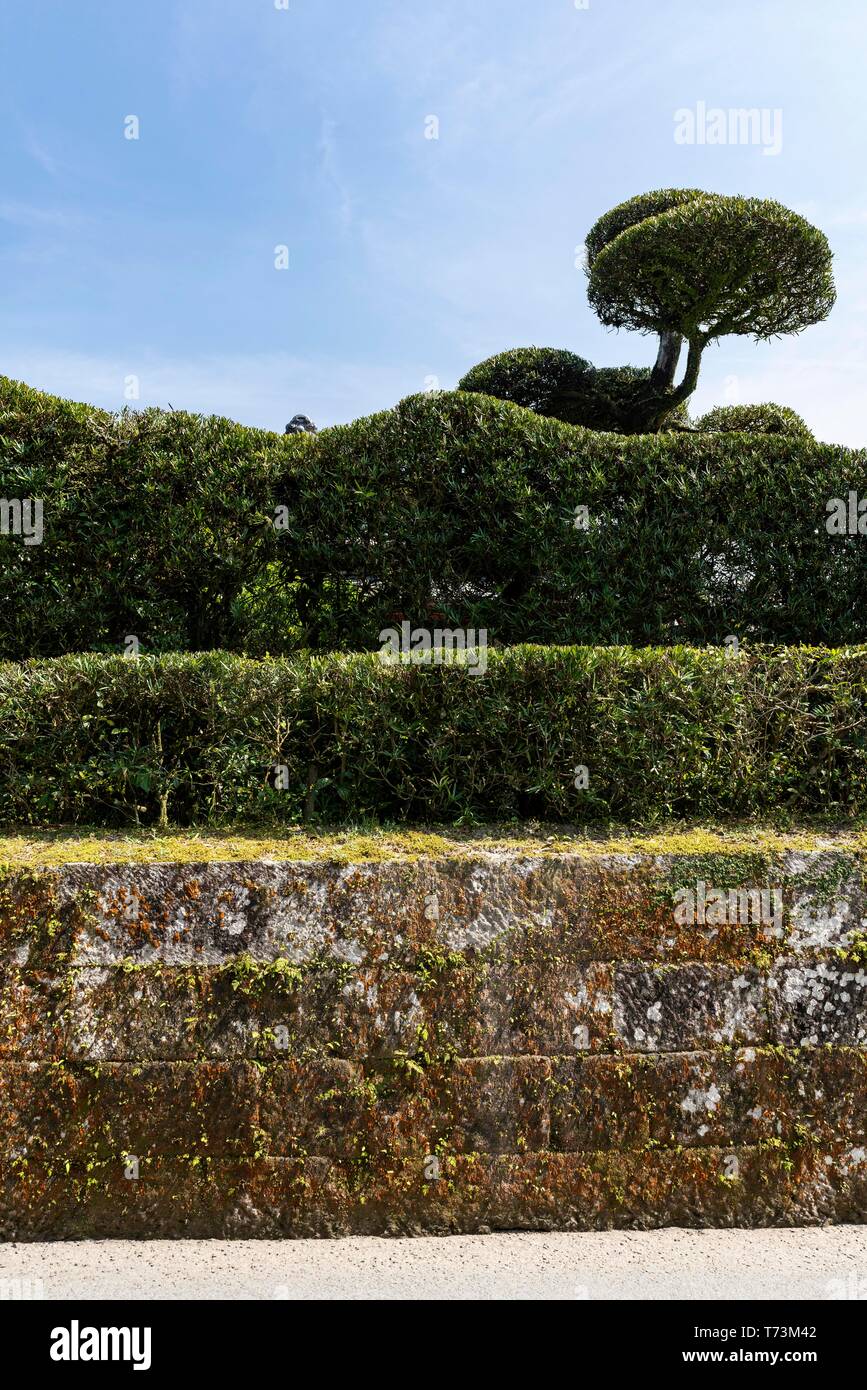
[
  {"x": 410, "y": 257},
  {"x": 36, "y": 218},
  {"x": 332, "y": 175},
  {"x": 41, "y": 155}
]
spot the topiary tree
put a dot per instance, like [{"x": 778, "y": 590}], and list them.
[
  {"x": 755, "y": 419},
  {"x": 558, "y": 383},
  {"x": 694, "y": 267},
  {"x": 691, "y": 267},
  {"x": 531, "y": 377}
]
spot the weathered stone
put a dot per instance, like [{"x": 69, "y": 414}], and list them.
[
  {"x": 76, "y": 1112},
  {"x": 815, "y": 1096},
  {"x": 535, "y": 1191},
  {"x": 490, "y": 1040},
  {"x": 604, "y": 908},
  {"x": 313, "y": 1108},
  {"x": 488, "y": 1105},
  {"x": 32, "y": 1015},
  {"x": 828, "y": 904},
  {"x": 598, "y": 1103},
  {"x": 818, "y": 1001},
  {"x": 684, "y": 1007}
]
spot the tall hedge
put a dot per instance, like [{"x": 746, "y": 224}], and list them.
[
  {"x": 217, "y": 739},
  {"x": 155, "y": 521},
  {"x": 161, "y": 526}
]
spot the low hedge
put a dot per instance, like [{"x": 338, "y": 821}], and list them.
[
  {"x": 160, "y": 525},
  {"x": 663, "y": 733}
]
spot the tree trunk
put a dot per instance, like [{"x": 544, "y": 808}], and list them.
[
  {"x": 662, "y": 376},
  {"x": 673, "y": 398},
  {"x": 690, "y": 378}
]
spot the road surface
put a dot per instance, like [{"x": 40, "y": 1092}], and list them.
[{"x": 817, "y": 1263}]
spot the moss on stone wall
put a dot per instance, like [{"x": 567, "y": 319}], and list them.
[{"x": 98, "y": 846}]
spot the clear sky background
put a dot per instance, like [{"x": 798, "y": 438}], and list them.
[{"x": 410, "y": 259}]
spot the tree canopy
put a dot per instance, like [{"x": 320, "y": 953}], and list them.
[{"x": 706, "y": 266}]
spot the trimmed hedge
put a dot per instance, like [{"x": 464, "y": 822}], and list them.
[
  {"x": 530, "y": 377},
  {"x": 663, "y": 733},
  {"x": 155, "y": 521},
  {"x": 161, "y": 526},
  {"x": 767, "y": 418}
]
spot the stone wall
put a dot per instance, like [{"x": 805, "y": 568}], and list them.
[{"x": 488, "y": 1040}]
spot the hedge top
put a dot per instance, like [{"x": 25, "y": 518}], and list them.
[
  {"x": 766, "y": 418},
  {"x": 532, "y": 377}
]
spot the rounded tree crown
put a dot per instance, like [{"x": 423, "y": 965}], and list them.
[
  {"x": 527, "y": 376},
  {"x": 764, "y": 418},
  {"x": 709, "y": 265},
  {"x": 612, "y": 223}
]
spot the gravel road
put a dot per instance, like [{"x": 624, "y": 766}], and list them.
[{"x": 816, "y": 1263}]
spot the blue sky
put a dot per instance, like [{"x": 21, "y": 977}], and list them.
[{"x": 409, "y": 258}]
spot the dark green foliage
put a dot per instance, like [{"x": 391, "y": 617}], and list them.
[
  {"x": 674, "y": 733},
  {"x": 608, "y": 398},
  {"x": 562, "y": 386},
  {"x": 531, "y": 377},
  {"x": 767, "y": 418},
  {"x": 154, "y": 523},
  {"x": 691, "y": 267},
  {"x": 160, "y": 526}
]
